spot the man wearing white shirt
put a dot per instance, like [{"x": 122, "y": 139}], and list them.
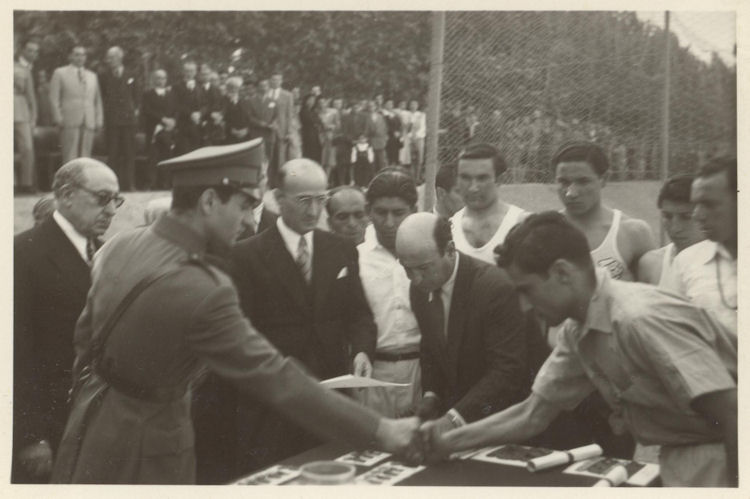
[
  {"x": 51, "y": 280},
  {"x": 707, "y": 272},
  {"x": 284, "y": 104},
  {"x": 391, "y": 197},
  {"x": 656, "y": 266}
]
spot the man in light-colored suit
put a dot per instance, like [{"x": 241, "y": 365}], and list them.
[
  {"x": 25, "y": 114},
  {"x": 76, "y": 105},
  {"x": 284, "y": 103}
]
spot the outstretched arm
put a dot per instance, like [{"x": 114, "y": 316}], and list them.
[{"x": 515, "y": 424}]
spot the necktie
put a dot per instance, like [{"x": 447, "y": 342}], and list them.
[
  {"x": 80, "y": 75},
  {"x": 90, "y": 250},
  {"x": 438, "y": 312},
  {"x": 303, "y": 260}
]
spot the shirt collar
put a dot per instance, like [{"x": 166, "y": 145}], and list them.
[
  {"x": 597, "y": 315},
  {"x": 22, "y": 60},
  {"x": 171, "y": 228},
  {"x": 258, "y": 213},
  {"x": 716, "y": 250},
  {"x": 291, "y": 238},
  {"x": 78, "y": 240},
  {"x": 447, "y": 287},
  {"x": 160, "y": 91}
]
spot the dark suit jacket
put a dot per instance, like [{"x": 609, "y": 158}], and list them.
[
  {"x": 154, "y": 108},
  {"x": 51, "y": 281},
  {"x": 323, "y": 324},
  {"x": 481, "y": 368},
  {"x": 187, "y": 102},
  {"x": 120, "y": 97}
]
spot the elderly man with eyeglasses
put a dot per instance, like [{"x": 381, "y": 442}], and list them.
[
  {"x": 301, "y": 287},
  {"x": 51, "y": 280}
]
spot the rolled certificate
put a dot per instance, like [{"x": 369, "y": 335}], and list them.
[
  {"x": 614, "y": 477},
  {"x": 560, "y": 457}
]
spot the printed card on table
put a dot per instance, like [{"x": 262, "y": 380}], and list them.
[
  {"x": 511, "y": 455},
  {"x": 275, "y": 475},
  {"x": 365, "y": 458},
  {"x": 389, "y": 473}
]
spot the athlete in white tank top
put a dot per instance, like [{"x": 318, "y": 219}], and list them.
[
  {"x": 608, "y": 256},
  {"x": 485, "y": 253}
]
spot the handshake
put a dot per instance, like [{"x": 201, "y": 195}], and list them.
[{"x": 418, "y": 438}]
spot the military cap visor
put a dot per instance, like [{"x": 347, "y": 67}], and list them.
[{"x": 238, "y": 165}]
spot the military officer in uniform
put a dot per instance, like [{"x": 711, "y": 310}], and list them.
[{"x": 158, "y": 313}]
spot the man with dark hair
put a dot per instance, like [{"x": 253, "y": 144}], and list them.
[
  {"x": 669, "y": 367},
  {"x": 448, "y": 198},
  {"x": 655, "y": 266},
  {"x": 391, "y": 197},
  {"x": 707, "y": 272},
  {"x": 347, "y": 216},
  {"x": 130, "y": 421},
  {"x": 76, "y": 105},
  {"x": 485, "y": 220},
  {"x": 617, "y": 240},
  {"x": 473, "y": 347},
  {"x": 301, "y": 287},
  {"x": 51, "y": 279},
  {"x": 25, "y": 115},
  {"x": 120, "y": 94}
]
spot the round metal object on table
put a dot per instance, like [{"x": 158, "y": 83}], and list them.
[{"x": 327, "y": 473}]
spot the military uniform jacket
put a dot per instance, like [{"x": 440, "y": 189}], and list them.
[{"x": 172, "y": 330}]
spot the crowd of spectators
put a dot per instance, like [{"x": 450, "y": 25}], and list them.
[{"x": 111, "y": 114}]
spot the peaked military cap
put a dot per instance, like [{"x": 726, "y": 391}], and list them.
[{"x": 238, "y": 165}]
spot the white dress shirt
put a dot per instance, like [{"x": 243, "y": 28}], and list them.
[
  {"x": 79, "y": 242},
  {"x": 699, "y": 271},
  {"x": 291, "y": 239},
  {"x": 386, "y": 287}
]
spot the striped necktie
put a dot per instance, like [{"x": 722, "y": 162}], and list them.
[
  {"x": 303, "y": 260},
  {"x": 90, "y": 250}
]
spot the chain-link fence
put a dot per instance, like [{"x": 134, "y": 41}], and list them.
[{"x": 528, "y": 81}]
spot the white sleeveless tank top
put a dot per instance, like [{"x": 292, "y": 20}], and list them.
[
  {"x": 608, "y": 256},
  {"x": 485, "y": 253}
]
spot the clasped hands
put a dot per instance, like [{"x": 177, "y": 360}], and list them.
[{"x": 420, "y": 438}]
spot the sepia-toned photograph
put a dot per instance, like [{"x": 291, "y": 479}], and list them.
[{"x": 382, "y": 248}]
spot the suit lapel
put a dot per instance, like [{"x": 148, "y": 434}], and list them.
[
  {"x": 457, "y": 314},
  {"x": 281, "y": 261},
  {"x": 63, "y": 255}
]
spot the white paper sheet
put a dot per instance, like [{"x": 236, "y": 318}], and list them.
[{"x": 351, "y": 381}]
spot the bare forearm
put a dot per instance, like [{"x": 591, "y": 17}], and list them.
[{"x": 515, "y": 424}]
